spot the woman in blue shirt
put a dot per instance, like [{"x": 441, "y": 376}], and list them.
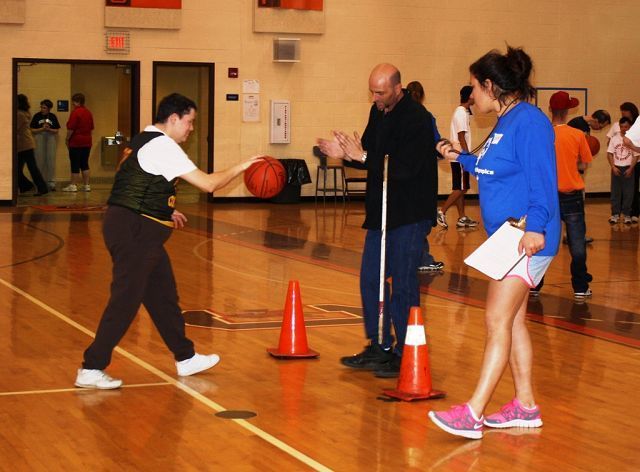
[{"x": 516, "y": 173}]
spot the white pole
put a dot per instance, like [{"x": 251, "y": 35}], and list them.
[{"x": 383, "y": 241}]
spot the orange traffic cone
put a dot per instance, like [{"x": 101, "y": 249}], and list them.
[
  {"x": 414, "y": 382},
  {"x": 293, "y": 335}
]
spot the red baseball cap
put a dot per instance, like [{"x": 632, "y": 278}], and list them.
[{"x": 562, "y": 101}]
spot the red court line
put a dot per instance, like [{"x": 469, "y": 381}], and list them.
[{"x": 593, "y": 332}]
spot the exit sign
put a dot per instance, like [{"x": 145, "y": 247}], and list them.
[{"x": 117, "y": 42}]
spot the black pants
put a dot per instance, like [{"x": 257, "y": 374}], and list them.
[
  {"x": 142, "y": 274},
  {"x": 28, "y": 157},
  {"x": 635, "y": 206}
]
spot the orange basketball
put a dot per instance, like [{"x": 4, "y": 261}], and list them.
[
  {"x": 594, "y": 144},
  {"x": 265, "y": 178}
]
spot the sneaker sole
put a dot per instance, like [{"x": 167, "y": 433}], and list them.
[
  {"x": 386, "y": 375},
  {"x": 368, "y": 366},
  {"x": 465, "y": 433},
  {"x": 516, "y": 424},
  {"x": 187, "y": 374},
  {"x": 95, "y": 387}
]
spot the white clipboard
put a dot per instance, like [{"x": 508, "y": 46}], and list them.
[{"x": 498, "y": 254}]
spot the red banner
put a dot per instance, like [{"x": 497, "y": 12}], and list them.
[
  {"x": 167, "y": 4},
  {"x": 291, "y": 4}
]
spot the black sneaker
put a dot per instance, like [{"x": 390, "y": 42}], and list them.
[
  {"x": 371, "y": 358},
  {"x": 389, "y": 369}
]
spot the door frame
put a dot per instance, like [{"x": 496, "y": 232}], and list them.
[{"x": 135, "y": 99}]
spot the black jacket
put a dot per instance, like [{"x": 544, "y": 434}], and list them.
[{"x": 406, "y": 135}]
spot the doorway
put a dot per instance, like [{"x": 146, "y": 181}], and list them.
[
  {"x": 111, "y": 89},
  {"x": 196, "y": 81}
]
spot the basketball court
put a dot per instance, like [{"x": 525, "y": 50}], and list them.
[{"x": 233, "y": 264}]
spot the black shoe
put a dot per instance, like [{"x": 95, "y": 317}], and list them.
[
  {"x": 371, "y": 358},
  {"x": 389, "y": 369}
]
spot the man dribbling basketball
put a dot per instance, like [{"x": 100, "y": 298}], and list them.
[{"x": 139, "y": 220}]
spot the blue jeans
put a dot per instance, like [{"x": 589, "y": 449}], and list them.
[
  {"x": 621, "y": 192},
  {"x": 403, "y": 252},
  {"x": 572, "y": 213}
]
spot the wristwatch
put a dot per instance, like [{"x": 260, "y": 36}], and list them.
[{"x": 364, "y": 157}]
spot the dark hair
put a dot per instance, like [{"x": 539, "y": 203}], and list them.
[
  {"x": 602, "y": 116},
  {"x": 562, "y": 113},
  {"x": 631, "y": 108},
  {"x": 465, "y": 93},
  {"x": 23, "y": 102},
  {"x": 174, "y": 103},
  {"x": 508, "y": 72},
  {"x": 624, "y": 120},
  {"x": 416, "y": 91},
  {"x": 47, "y": 103},
  {"x": 78, "y": 98}
]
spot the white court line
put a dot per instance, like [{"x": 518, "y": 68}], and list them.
[
  {"x": 170, "y": 380},
  {"x": 79, "y": 390}
]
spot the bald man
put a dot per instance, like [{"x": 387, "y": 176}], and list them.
[{"x": 402, "y": 129}]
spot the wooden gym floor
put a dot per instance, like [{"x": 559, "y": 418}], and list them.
[{"x": 233, "y": 263}]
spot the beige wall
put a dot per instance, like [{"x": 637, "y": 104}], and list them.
[{"x": 586, "y": 43}]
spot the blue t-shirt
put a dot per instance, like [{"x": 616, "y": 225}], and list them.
[{"x": 516, "y": 173}]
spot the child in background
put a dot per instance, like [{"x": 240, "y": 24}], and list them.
[{"x": 622, "y": 161}]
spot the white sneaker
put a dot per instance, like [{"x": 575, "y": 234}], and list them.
[
  {"x": 94, "y": 378},
  {"x": 441, "y": 219},
  {"x": 86, "y": 188},
  {"x": 70, "y": 188},
  {"x": 197, "y": 363}
]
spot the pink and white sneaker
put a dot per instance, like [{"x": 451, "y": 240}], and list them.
[
  {"x": 459, "y": 420},
  {"x": 515, "y": 414}
]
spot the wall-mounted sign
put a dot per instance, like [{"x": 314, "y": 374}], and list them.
[
  {"x": 117, "y": 42},
  {"x": 62, "y": 105}
]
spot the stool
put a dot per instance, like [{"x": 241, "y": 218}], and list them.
[{"x": 335, "y": 189}]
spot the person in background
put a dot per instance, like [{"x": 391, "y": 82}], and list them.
[
  {"x": 460, "y": 136},
  {"x": 139, "y": 220},
  {"x": 45, "y": 126},
  {"x": 630, "y": 110},
  {"x": 572, "y": 155},
  {"x": 622, "y": 161},
  {"x": 78, "y": 140},
  {"x": 596, "y": 121},
  {"x": 25, "y": 145},
  {"x": 428, "y": 262},
  {"x": 516, "y": 174}
]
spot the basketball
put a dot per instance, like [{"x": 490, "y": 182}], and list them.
[
  {"x": 594, "y": 144},
  {"x": 265, "y": 178}
]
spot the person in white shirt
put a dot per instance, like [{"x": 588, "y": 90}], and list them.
[
  {"x": 630, "y": 110},
  {"x": 627, "y": 109},
  {"x": 139, "y": 220},
  {"x": 461, "y": 139},
  {"x": 622, "y": 161}
]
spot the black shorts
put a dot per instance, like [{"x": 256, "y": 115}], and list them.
[
  {"x": 459, "y": 178},
  {"x": 79, "y": 157}
]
